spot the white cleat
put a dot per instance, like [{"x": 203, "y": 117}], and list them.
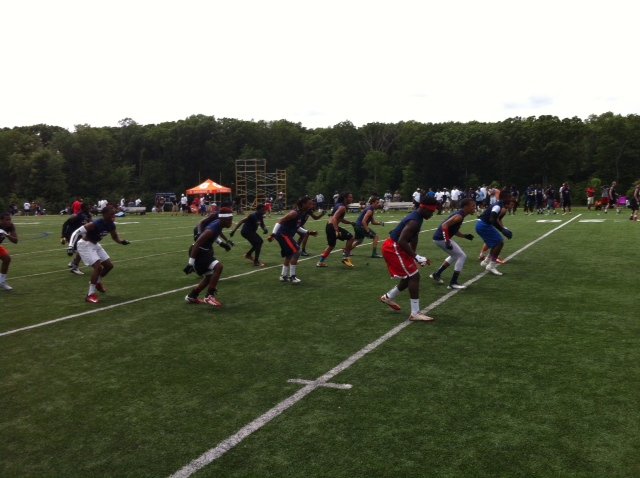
[
  {"x": 485, "y": 262},
  {"x": 5, "y": 286},
  {"x": 491, "y": 267},
  {"x": 456, "y": 286},
  {"x": 420, "y": 317}
]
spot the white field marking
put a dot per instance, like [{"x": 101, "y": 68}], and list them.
[
  {"x": 593, "y": 220},
  {"x": 224, "y": 446},
  {"x": 339, "y": 386},
  {"x": 549, "y": 220},
  {"x": 123, "y": 223},
  {"x": 26, "y": 223}
]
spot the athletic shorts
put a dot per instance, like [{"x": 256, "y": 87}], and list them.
[
  {"x": 590, "y": 200},
  {"x": 332, "y": 239},
  {"x": 3, "y": 252},
  {"x": 90, "y": 252},
  {"x": 288, "y": 245},
  {"x": 360, "y": 233},
  {"x": 205, "y": 261},
  {"x": 400, "y": 264},
  {"x": 604, "y": 201},
  {"x": 488, "y": 233}
]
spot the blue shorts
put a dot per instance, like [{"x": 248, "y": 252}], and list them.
[{"x": 488, "y": 233}]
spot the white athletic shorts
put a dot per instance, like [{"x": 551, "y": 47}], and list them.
[{"x": 91, "y": 253}]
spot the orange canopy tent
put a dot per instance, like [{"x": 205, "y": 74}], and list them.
[{"x": 208, "y": 187}]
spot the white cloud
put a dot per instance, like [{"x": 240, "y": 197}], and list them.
[{"x": 317, "y": 63}]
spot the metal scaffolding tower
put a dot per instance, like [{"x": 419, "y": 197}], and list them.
[{"x": 254, "y": 185}]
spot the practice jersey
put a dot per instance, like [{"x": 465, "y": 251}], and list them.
[
  {"x": 8, "y": 230},
  {"x": 362, "y": 214},
  {"x": 453, "y": 229},
  {"x": 290, "y": 227},
  {"x": 216, "y": 228},
  {"x": 336, "y": 206},
  {"x": 101, "y": 229},
  {"x": 253, "y": 221},
  {"x": 74, "y": 222},
  {"x": 413, "y": 216},
  {"x": 486, "y": 214}
]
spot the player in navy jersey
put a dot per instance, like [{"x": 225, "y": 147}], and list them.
[
  {"x": 362, "y": 226},
  {"x": 443, "y": 238},
  {"x": 208, "y": 220},
  {"x": 86, "y": 240},
  {"x": 399, "y": 252},
  {"x": 487, "y": 227},
  {"x": 249, "y": 230},
  {"x": 70, "y": 225},
  {"x": 203, "y": 262},
  {"x": 284, "y": 231},
  {"x": 7, "y": 231},
  {"x": 305, "y": 238},
  {"x": 335, "y": 232}
]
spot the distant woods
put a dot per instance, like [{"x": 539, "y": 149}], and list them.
[{"x": 51, "y": 165}]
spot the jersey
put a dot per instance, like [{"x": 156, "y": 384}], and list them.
[
  {"x": 486, "y": 214},
  {"x": 336, "y": 206},
  {"x": 453, "y": 229},
  {"x": 363, "y": 213},
  {"x": 74, "y": 222},
  {"x": 413, "y": 216},
  {"x": 7, "y": 230},
  {"x": 101, "y": 229},
  {"x": 253, "y": 221},
  {"x": 216, "y": 228},
  {"x": 290, "y": 227}
]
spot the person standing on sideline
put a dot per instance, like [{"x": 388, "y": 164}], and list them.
[
  {"x": 68, "y": 228},
  {"x": 7, "y": 231},
  {"x": 86, "y": 240},
  {"x": 487, "y": 227},
  {"x": 591, "y": 194},
  {"x": 362, "y": 229},
  {"x": 399, "y": 252},
  {"x": 283, "y": 232},
  {"x": 249, "y": 230},
  {"x": 565, "y": 194},
  {"x": 335, "y": 232},
  {"x": 204, "y": 263},
  {"x": 443, "y": 239},
  {"x": 76, "y": 206},
  {"x": 634, "y": 203}
]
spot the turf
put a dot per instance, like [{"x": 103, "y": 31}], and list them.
[{"x": 532, "y": 373}]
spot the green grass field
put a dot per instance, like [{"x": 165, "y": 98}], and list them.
[{"x": 535, "y": 373}]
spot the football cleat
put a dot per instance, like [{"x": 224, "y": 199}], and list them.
[
  {"x": 305, "y": 254},
  {"x": 385, "y": 300},
  {"x": 193, "y": 300},
  {"x": 93, "y": 298},
  {"x": 76, "y": 271},
  {"x": 420, "y": 317},
  {"x": 491, "y": 267},
  {"x": 259, "y": 264},
  {"x": 284, "y": 279},
  {"x": 485, "y": 262},
  {"x": 5, "y": 286},
  {"x": 456, "y": 286},
  {"x": 322, "y": 264},
  {"x": 100, "y": 287},
  {"x": 248, "y": 257},
  {"x": 211, "y": 300},
  {"x": 376, "y": 256},
  {"x": 436, "y": 278},
  {"x": 294, "y": 280},
  {"x": 347, "y": 262}
]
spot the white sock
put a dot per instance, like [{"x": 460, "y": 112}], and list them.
[
  {"x": 393, "y": 293},
  {"x": 285, "y": 271},
  {"x": 415, "y": 306},
  {"x": 3, "y": 277},
  {"x": 292, "y": 269},
  {"x": 92, "y": 289}
]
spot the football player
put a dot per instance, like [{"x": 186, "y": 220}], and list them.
[{"x": 7, "y": 231}]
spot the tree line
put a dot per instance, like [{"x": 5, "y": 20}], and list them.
[{"x": 51, "y": 165}]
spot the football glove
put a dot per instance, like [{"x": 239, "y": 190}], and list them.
[
  {"x": 232, "y": 233},
  {"x": 421, "y": 260},
  {"x": 469, "y": 237},
  {"x": 70, "y": 251},
  {"x": 230, "y": 243},
  {"x": 264, "y": 231},
  {"x": 507, "y": 233},
  {"x": 189, "y": 269},
  {"x": 124, "y": 242},
  {"x": 63, "y": 241},
  {"x": 448, "y": 245},
  {"x": 225, "y": 246}
]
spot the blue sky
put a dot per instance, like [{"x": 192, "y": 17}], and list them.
[{"x": 318, "y": 63}]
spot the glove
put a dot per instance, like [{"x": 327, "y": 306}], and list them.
[
  {"x": 189, "y": 269},
  {"x": 232, "y": 233},
  {"x": 507, "y": 233},
  {"x": 448, "y": 245},
  {"x": 124, "y": 242},
  {"x": 63, "y": 241},
  {"x": 225, "y": 246},
  {"x": 230, "y": 243},
  {"x": 70, "y": 251},
  {"x": 421, "y": 260},
  {"x": 264, "y": 231},
  {"x": 469, "y": 237}
]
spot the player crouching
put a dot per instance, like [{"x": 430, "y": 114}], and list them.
[{"x": 204, "y": 263}]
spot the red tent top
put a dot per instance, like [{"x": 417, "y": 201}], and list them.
[{"x": 208, "y": 187}]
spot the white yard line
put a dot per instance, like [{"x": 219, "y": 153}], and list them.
[{"x": 224, "y": 446}]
